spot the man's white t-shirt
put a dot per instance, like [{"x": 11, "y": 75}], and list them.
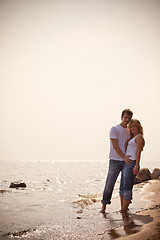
[{"x": 122, "y": 134}]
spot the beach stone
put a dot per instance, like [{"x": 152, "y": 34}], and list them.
[
  {"x": 3, "y": 191},
  {"x": 156, "y": 173},
  {"x": 17, "y": 185},
  {"x": 137, "y": 180},
  {"x": 144, "y": 174}
]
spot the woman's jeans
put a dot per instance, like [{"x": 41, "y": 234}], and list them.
[
  {"x": 127, "y": 181},
  {"x": 115, "y": 167}
]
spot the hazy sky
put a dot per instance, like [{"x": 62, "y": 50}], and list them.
[{"x": 69, "y": 68}]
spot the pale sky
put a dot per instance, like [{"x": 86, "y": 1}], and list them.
[{"x": 69, "y": 68}]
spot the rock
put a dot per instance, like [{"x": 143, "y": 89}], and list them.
[
  {"x": 137, "y": 180},
  {"x": 156, "y": 173},
  {"x": 3, "y": 191},
  {"x": 17, "y": 185},
  {"x": 144, "y": 174}
]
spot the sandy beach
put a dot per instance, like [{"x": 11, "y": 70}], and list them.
[
  {"x": 61, "y": 202},
  {"x": 150, "y": 231}
]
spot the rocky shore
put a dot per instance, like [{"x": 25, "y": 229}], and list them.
[{"x": 144, "y": 174}]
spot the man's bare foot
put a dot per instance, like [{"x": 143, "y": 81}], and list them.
[{"x": 103, "y": 208}]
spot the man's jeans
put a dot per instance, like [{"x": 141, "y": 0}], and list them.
[
  {"x": 127, "y": 181},
  {"x": 115, "y": 167}
]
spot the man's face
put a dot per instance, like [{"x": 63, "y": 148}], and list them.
[{"x": 126, "y": 119}]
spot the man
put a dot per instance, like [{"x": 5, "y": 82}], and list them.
[{"x": 119, "y": 136}]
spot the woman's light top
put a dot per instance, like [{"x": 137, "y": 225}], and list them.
[{"x": 132, "y": 148}]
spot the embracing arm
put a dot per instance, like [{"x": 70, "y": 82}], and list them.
[
  {"x": 140, "y": 144},
  {"x": 119, "y": 151}
]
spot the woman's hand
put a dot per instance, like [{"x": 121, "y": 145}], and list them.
[{"x": 135, "y": 170}]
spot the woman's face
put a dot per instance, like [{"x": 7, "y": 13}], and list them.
[{"x": 134, "y": 129}]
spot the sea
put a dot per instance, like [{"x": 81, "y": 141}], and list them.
[{"x": 62, "y": 200}]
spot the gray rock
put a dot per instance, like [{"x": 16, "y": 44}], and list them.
[
  {"x": 17, "y": 185},
  {"x": 137, "y": 180},
  {"x": 156, "y": 173},
  {"x": 144, "y": 174}
]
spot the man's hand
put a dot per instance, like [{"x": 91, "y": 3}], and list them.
[
  {"x": 119, "y": 151},
  {"x": 127, "y": 160}
]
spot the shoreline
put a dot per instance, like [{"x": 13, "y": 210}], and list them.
[
  {"x": 71, "y": 219},
  {"x": 150, "y": 231}
]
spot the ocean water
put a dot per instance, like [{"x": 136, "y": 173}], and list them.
[{"x": 62, "y": 200}]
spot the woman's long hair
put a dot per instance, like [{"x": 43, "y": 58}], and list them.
[{"x": 138, "y": 124}]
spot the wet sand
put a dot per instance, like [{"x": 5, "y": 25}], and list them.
[{"x": 150, "y": 230}]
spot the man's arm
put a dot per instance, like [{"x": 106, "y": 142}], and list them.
[{"x": 119, "y": 151}]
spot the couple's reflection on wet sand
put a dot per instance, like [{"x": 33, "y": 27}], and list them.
[{"x": 131, "y": 223}]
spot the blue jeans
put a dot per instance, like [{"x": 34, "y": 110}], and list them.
[
  {"x": 115, "y": 167},
  {"x": 127, "y": 181}
]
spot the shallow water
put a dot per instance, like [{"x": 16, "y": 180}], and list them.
[{"x": 62, "y": 201}]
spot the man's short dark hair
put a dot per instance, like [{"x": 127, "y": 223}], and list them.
[{"x": 128, "y": 111}]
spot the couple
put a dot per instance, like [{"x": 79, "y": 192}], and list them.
[{"x": 126, "y": 144}]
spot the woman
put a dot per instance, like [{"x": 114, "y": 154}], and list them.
[{"x": 134, "y": 148}]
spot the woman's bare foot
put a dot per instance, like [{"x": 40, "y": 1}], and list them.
[{"x": 123, "y": 210}]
